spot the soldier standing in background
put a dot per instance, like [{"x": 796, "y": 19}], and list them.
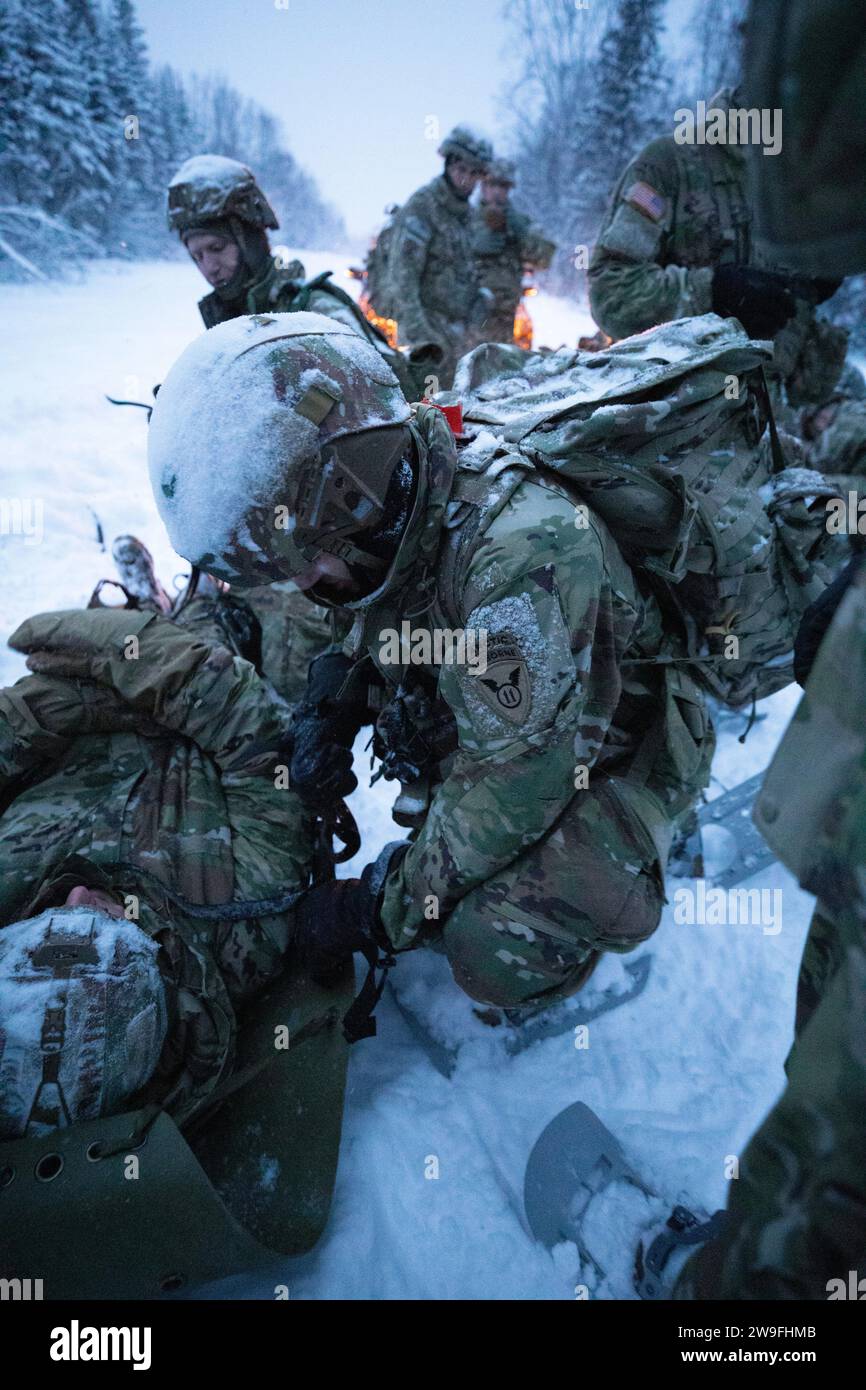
[
  {"x": 678, "y": 240},
  {"x": 433, "y": 278},
  {"x": 505, "y": 243}
]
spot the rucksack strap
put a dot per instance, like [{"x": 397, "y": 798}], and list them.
[
  {"x": 763, "y": 393},
  {"x": 324, "y": 282}
]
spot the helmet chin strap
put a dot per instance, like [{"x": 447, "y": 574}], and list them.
[{"x": 344, "y": 549}]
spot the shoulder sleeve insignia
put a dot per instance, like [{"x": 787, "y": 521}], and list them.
[
  {"x": 644, "y": 198},
  {"x": 504, "y": 685}
]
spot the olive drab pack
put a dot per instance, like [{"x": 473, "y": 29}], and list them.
[
  {"x": 668, "y": 437},
  {"x": 378, "y": 283}
]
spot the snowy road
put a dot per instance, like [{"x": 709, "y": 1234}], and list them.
[{"x": 682, "y": 1075}]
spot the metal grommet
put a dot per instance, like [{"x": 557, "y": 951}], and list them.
[
  {"x": 93, "y": 1152},
  {"x": 170, "y": 1283},
  {"x": 141, "y": 1143},
  {"x": 48, "y": 1167},
  {"x": 6, "y": 1175}
]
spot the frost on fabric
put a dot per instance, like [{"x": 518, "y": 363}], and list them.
[
  {"x": 551, "y": 384},
  {"x": 313, "y": 378},
  {"x": 114, "y": 1020},
  {"x": 514, "y": 616},
  {"x": 269, "y": 1172}
]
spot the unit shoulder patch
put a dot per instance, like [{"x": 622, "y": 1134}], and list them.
[{"x": 505, "y": 684}]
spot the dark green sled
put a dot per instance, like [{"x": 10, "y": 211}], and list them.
[{"x": 252, "y": 1183}]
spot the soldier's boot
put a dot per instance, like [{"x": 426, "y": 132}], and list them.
[{"x": 135, "y": 566}]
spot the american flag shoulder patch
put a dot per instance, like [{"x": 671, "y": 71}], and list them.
[{"x": 644, "y": 198}]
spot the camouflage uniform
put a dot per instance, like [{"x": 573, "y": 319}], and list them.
[
  {"x": 500, "y": 255},
  {"x": 543, "y": 791},
  {"x": 167, "y": 763},
  {"x": 434, "y": 281},
  {"x": 835, "y": 432},
  {"x": 798, "y": 1210},
  {"x": 522, "y": 877},
  {"x": 677, "y": 213}
]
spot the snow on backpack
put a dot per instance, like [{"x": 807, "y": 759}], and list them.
[
  {"x": 378, "y": 282},
  {"x": 668, "y": 436}
]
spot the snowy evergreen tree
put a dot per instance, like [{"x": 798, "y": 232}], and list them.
[
  {"x": 89, "y": 138},
  {"x": 595, "y": 87},
  {"x": 85, "y": 31},
  {"x": 133, "y": 125},
  {"x": 717, "y": 34},
  {"x": 632, "y": 100},
  {"x": 44, "y": 135}
]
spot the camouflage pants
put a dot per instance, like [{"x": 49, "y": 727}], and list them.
[
  {"x": 798, "y": 1209},
  {"x": 594, "y": 883}
]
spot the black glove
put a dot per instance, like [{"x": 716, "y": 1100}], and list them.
[
  {"x": 333, "y": 921},
  {"x": 324, "y": 726},
  {"x": 426, "y": 355},
  {"x": 817, "y": 619},
  {"x": 819, "y": 291},
  {"x": 760, "y": 299}
]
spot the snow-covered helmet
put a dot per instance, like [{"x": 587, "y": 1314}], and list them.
[
  {"x": 469, "y": 145},
  {"x": 83, "y": 1018},
  {"x": 502, "y": 171},
  {"x": 274, "y": 438},
  {"x": 210, "y": 188}
]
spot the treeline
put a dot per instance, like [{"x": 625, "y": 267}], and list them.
[{"x": 90, "y": 135}]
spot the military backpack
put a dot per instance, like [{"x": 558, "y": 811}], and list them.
[
  {"x": 669, "y": 438},
  {"x": 378, "y": 283}
]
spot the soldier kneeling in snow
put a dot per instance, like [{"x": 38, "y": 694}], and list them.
[{"x": 542, "y": 784}]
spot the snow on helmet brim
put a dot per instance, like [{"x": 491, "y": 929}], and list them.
[
  {"x": 222, "y": 430},
  {"x": 210, "y": 186}
]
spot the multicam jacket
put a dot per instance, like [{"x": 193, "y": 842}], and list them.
[
  {"x": 797, "y": 1213},
  {"x": 677, "y": 212},
  {"x": 501, "y": 256},
  {"x": 170, "y": 763},
  {"x": 562, "y": 614},
  {"x": 434, "y": 283}
]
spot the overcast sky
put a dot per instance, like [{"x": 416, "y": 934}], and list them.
[{"x": 353, "y": 81}]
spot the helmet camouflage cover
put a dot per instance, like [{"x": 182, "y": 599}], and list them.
[
  {"x": 209, "y": 187},
  {"x": 469, "y": 145},
  {"x": 82, "y": 1018},
  {"x": 273, "y": 438}
]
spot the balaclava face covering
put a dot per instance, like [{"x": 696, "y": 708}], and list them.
[{"x": 253, "y": 245}]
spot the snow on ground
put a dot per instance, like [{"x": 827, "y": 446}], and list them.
[{"x": 682, "y": 1075}]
